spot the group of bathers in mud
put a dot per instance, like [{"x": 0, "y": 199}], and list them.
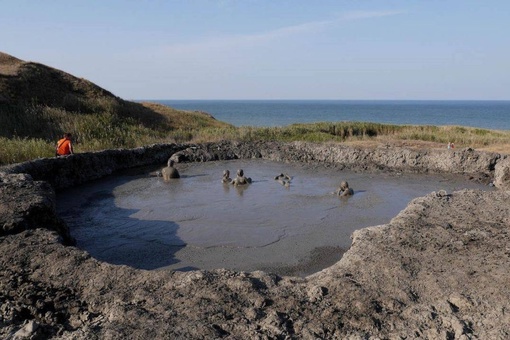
[{"x": 283, "y": 179}]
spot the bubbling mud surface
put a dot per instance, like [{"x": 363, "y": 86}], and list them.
[{"x": 197, "y": 222}]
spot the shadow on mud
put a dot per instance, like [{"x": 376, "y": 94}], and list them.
[
  {"x": 134, "y": 218},
  {"x": 111, "y": 234}
]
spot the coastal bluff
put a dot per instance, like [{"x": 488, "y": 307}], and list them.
[{"x": 438, "y": 270}]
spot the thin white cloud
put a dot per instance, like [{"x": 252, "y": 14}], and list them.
[
  {"x": 237, "y": 40},
  {"x": 224, "y": 42}
]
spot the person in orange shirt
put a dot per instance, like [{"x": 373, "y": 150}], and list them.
[{"x": 64, "y": 146}]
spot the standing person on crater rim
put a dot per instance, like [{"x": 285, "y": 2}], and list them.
[{"x": 64, "y": 146}]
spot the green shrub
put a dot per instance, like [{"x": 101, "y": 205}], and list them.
[{"x": 15, "y": 150}]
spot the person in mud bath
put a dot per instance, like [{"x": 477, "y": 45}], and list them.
[
  {"x": 241, "y": 179},
  {"x": 169, "y": 171},
  {"x": 226, "y": 177},
  {"x": 283, "y": 179},
  {"x": 344, "y": 189}
]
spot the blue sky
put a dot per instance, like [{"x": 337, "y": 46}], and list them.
[{"x": 257, "y": 49}]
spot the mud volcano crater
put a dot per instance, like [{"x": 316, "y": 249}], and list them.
[
  {"x": 197, "y": 222},
  {"x": 438, "y": 269}
]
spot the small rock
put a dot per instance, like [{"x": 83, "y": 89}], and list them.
[
  {"x": 27, "y": 330},
  {"x": 316, "y": 293},
  {"x": 441, "y": 193}
]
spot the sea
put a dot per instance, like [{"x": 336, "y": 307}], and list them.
[{"x": 493, "y": 115}]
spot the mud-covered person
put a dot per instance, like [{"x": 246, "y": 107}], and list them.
[
  {"x": 64, "y": 146},
  {"x": 241, "y": 179},
  {"x": 226, "y": 177},
  {"x": 344, "y": 189},
  {"x": 283, "y": 179},
  {"x": 169, "y": 171}
]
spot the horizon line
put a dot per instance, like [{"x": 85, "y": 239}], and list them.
[{"x": 321, "y": 99}]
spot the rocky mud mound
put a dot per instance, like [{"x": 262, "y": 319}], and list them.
[{"x": 439, "y": 270}]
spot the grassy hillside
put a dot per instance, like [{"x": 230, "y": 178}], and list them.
[{"x": 39, "y": 103}]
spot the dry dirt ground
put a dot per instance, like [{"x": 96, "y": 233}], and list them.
[{"x": 502, "y": 148}]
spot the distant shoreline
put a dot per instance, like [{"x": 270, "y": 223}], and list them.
[{"x": 484, "y": 114}]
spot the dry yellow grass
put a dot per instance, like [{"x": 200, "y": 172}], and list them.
[
  {"x": 497, "y": 148},
  {"x": 9, "y": 65},
  {"x": 178, "y": 119}
]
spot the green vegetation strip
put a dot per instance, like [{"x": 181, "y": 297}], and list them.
[{"x": 30, "y": 131}]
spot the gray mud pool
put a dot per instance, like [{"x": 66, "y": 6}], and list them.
[{"x": 197, "y": 222}]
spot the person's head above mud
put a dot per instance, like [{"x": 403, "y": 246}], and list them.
[
  {"x": 283, "y": 179},
  {"x": 169, "y": 171},
  {"x": 240, "y": 179},
  {"x": 226, "y": 177},
  {"x": 344, "y": 189}
]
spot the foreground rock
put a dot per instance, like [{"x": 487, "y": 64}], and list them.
[{"x": 438, "y": 270}]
